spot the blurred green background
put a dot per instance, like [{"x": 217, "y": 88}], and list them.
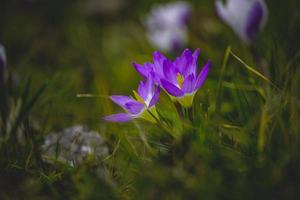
[{"x": 88, "y": 46}]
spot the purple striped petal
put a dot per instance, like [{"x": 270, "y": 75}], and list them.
[
  {"x": 149, "y": 85},
  {"x": 158, "y": 60},
  {"x": 155, "y": 98},
  {"x": 156, "y": 77},
  {"x": 188, "y": 84},
  {"x": 171, "y": 89},
  {"x": 192, "y": 64},
  {"x": 121, "y": 100},
  {"x": 254, "y": 20},
  {"x": 183, "y": 63},
  {"x": 170, "y": 71},
  {"x": 143, "y": 70},
  {"x": 196, "y": 54},
  {"x": 120, "y": 117},
  {"x": 142, "y": 91},
  {"x": 146, "y": 89},
  {"x": 134, "y": 107},
  {"x": 202, "y": 75}
]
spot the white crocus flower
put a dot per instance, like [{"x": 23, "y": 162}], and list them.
[{"x": 245, "y": 17}]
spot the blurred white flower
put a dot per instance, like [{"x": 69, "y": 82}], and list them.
[
  {"x": 2, "y": 63},
  {"x": 2, "y": 56},
  {"x": 72, "y": 145},
  {"x": 245, "y": 17},
  {"x": 167, "y": 25}
]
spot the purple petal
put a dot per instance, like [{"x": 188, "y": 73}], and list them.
[
  {"x": 158, "y": 60},
  {"x": 155, "y": 98},
  {"x": 170, "y": 71},
  {"x": 202, "y": 75},
  {"x": 196, "y": 54},
  {"x": 134, "y": 107},
  {"x": 184, "y": 62},
  {"x": 120, "y": 117},
  {"x": 155, "y": 77},
  {"x": 149, "y": 84},
  {"x": 171, "y": 89},
  {"x": 188, "y": 84},
  {"x": 120, "y": 99},
  {"x": 146, "y": 89},
  {"x": 191, "y": 68},
  {"x": 142, "y": 91},
  {"x": 254, "y": 20},
  {"x": 143, "y": 70}
]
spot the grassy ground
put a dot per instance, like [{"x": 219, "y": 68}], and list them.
[{"x": 240, "y": 140}]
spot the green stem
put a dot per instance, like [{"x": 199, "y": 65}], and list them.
[{"x": 219, "y": 92}]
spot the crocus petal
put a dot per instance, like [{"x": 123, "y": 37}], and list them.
[
  {"x": 120, "y": 117},
  {"x": 149, "y": 85},
  {"x": 120, "y": 99},
  {"x": 234, "y": 13},
  {"x": 202, "y": 75},
  {"x": 183, "y": 63},
  {"x": 188, "y": 84},
  {"x": 170, "y": 71},
  {"x": 196, "y": 54},
  {"x": 155, "y": 98},
  {"x": 221, "y": 10},
  {"x": 255, "y": 18},
  {"x": 245, "y": 17},
  {"x": 143, "y": 70},
  {"x": 142, "y": 90},
  {"x": 171, "y": 89},
  {"x": 192, "y": 65},
  {"x": 134, "y": 107},
  {"x": 146, "y": 89},
  {"x": 155, "y": 77},
  {"x": 158, "y": 60}
]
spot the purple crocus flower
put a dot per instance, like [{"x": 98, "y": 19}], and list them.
[
  {"x": 167, "y": 25},
  {"x": 146, "y": 97},
  {"x": 245, "y": 17},
  {"x": 179, "y": 78}
]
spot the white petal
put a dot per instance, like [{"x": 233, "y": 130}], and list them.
[{"x": 235, "y": 14}]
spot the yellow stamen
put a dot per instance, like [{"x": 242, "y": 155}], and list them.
[{"x": 180, "y": 80}]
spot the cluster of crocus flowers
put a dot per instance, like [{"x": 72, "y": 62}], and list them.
[
  {"x": 167, "y": 25},
  {"x": 245, "y": 17},
  {"x": 178, "y": 78}
]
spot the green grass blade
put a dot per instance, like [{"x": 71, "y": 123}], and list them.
[{"x": 219, "y": 92}]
